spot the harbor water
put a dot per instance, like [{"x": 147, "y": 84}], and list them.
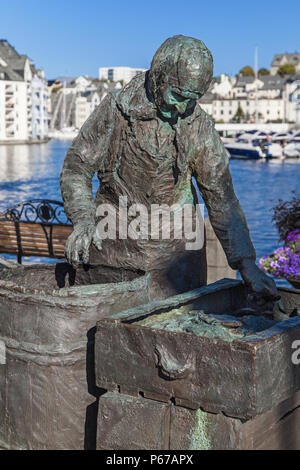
[{"x": 32, "y": 172}]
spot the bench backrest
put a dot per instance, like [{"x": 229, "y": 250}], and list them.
[{"x": 35, "y": 228}]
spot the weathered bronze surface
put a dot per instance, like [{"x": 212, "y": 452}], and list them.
[
  {"x": 134, "y": 423},
  {"x": 241, "y": 375},
  {"x": 146, "y": 143},
  {"x": 48, "y": 315}
]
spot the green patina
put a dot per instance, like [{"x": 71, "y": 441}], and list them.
[
  {"x": 183, "y": 191},
  {"x": 196, "y": 322},
  {"x": 116, "y": 170},
  {"x": 199, "y": 438}
]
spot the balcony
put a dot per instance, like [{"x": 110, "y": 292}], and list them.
[
  {"x": 9, "y": 125},
  {"x": 9, "y": 112},
  {"x": 10, "y": 134}
]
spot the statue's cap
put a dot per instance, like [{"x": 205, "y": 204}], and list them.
[{"x": 184, "y": 63}]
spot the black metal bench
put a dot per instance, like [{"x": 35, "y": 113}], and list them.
[{"x": 38, "y": 227}]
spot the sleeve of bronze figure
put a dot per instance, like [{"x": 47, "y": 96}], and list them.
[
  {"x": 211, "y": 169},
  {"x": 85, "y": 157}
]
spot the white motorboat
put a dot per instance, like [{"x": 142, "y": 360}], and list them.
[
  {"x": 66, "y": 133},
  {"x": 254, "y": 145},
  {"x": 292, "y": 148},
  {"x": 245, "y": 147}
]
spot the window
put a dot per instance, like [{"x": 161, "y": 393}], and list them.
[{"x": 110, "y": 74}]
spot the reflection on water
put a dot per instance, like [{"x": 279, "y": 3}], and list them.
[
  {"x": 32, "y": 171},
  {"x": 259, "y": 185},
  {"x": 17, "y": 161}
]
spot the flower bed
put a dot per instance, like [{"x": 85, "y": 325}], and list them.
[{"x": 284, "y": 261}]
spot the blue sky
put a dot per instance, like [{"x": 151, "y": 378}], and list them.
[{"x": 76, "y": 37}]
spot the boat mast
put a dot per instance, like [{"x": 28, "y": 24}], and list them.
[
  {"x": 256, "y": 77},
  {"x": 56, "y": 112},
  {"x": 68, "y": 119},
  {"x": 63, "y": 112}
]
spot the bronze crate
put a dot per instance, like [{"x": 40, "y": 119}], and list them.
[{"x": 242, "y": 378}]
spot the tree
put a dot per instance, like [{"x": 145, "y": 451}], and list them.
[
  {"x": 247, "y": 71},
  {"x": 286, "y": 69},
  {"x": 286, "y": 215},
  {"x": 239, "y": 115},
  {"x": 263, "y": 71}
]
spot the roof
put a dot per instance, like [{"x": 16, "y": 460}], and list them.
[
  {"x": 89, "y": 94},
  {"x": 7, "y": 50},
  {"x": 85, "y": 94},
  {"x": 291, "y": 59},
  {"x": 68, "y": 80},
  {"x": 270, "y": 82},
  {"x": 207, "y": 98},
  {"x": 292, "y": 78},
  {"x": 9, "y": 74},
  {"x": 15, "y": 62},
  {"x": 243, "y": 81}
]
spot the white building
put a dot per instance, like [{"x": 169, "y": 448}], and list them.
[
  {"x": 224, "y": 86},
  {"x": 263, "y": 100},
  {"x": 268, "y": 110},
  {"x": 292, "y": 99},
  {"x": 40, "y": 117},
  {"x": 85, "y": 104},
  {"x": 14, "y": 123},
  {"x": 119, "y": 74},
  {"x": 72, "y": 101},
  {"x": 22, "y": 113}
]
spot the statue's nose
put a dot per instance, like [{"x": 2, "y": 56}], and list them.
[{"x": 181, "y": 107}]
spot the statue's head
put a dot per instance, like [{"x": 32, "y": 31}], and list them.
[{"x": 181, "y": 72}]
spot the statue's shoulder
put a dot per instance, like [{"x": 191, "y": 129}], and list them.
[
  {"x": 132, "y": 100},
  {"x": 106, "y": 108},
  {"x": 200, "y": 119},
  {"x": 109, "y": 100}
]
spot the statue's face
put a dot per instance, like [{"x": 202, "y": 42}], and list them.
[{"x": 174, "y": 102}]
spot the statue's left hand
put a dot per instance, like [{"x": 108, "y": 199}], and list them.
[{"x": 261, "y": 285}]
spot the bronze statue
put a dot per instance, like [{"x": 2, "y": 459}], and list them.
[{"x": 146, "y": 143}]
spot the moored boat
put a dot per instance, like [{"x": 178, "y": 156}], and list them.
[{"x": 245, "y": 147}]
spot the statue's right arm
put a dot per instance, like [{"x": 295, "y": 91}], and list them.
[{"x": 85, "y": 157}]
